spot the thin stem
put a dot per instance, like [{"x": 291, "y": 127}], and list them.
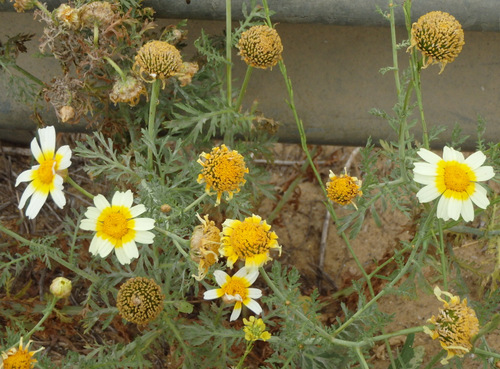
[
  {"x": 96, "y": 34},
  {"x": 177, "y": 241},
  {"x": 42, "y": 7},
  {"x": 362, "y": 360},
  {"x": 116, "y": 68},
  {"x": 402, "y": 332},
  {"x": 243, "y": 87},
  {"x": 486, "y": 353},
  {"x": 28, "y": 75},
  {"x": 229, "y": 44},
  {"x": 247, "y": 351},
  {"x": 173, "y": 329},
  {"x": 48, "y": 311},
  {"x": 442, "y": 253},
  {"x": 153, "y": 104},
  {"x": 195, "y": 202},
  {"x": 79, "y": 188},
  {"x": 394, "y": 50}
]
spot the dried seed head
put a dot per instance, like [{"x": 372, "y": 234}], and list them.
[
  {"x": 439, "y": 36},
  {"x": 98, "y": 12},
  {"x": 157, "y": 59},
  {"x": 140, "y": 300},
  {"x": 205, "y": 243},
  {"x": 260, "y": 47},
  {"x": 128, "y": 91}
]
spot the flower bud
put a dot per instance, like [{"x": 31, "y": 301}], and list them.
[{"x": 60, "y": 287}]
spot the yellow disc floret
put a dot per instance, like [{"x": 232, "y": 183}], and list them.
[
  {"x": 439, "y": 36},
  {"x": 260, "y": 47},
  {"x": 157, "y": 59},
  {"x": 140, "y": 300},
  {"x": 223, "y": 170},
  {"x": 19, "y": 357},
  {"x": 343, "y": 189}
]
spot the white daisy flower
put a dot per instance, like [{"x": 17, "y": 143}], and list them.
[
  {"x": 237, "y": 289},
  {"x": 47, "y": 176},
  {"x": 453, "y": 179},
  {"x": 117, "y": 227}
]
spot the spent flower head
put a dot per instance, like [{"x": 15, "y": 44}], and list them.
[
  {"x": 439, "y": 36},
  {"x": 117, "y": 226},
  {"x": 454, "y": 180},
  {"x": 60, "y": 287},
  {"x": 22, "y": 5},
  {"x": 343, "y": 189},
  {"x": 128, "y": 91},
  {"x": 140, "y": 300},
  {"x": 249, "y": 240},
  {"x": 454, "y": 326},
  {"x": 19, "y": 357},
  {"x": 68, "y": 16},
  {"x": 260, "y": 47},
  {"x": 157, "y": 59},
  {"x": 223, "y": 170},
  {"x": 205, "y": 243},
  {"x": 100, "y": 13},
  {"x": 255, "y": 329},
  {"x": 48, "y": 176},
  {"x": 236, "y": 290}
]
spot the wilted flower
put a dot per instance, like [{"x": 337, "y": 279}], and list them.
[
  {"x": 223, "y": 170},
  {"x": 68, "y": 16},
  {"x": 439, "y": 36},
  {"x": 22, "y": 5},
  {"x": 97, "y": 12},
  {"x": 140, "y": 300},
  {"x": 260, "y": 47},
  {"x": 205, "y": 243},
  {"x": 60, "y": 287},
  {"x": 249, "y": 240},
  {"x": 157, "y": 59},
  {"x": 236, "y": 289},
  {"x": 185, "y": 75},
  {"x": 66, "y": 113},
  {"x": 255, "y": 329},
  {"x": 128, "y": 91},
  {"x": 48, "y": 176},
  {"x": 455, "y": 325},
  {"x": 117, "y": 226},
  {"x": 453, "y": 179},
  {"x": 343, "y": 189},
  {"x": 19, "y": 357}
]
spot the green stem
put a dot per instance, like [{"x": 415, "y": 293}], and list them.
[
  {"x": 76, "y": 270},
  {"x": 243, "y": 87},
  {"x": 96, "y": 34},
  {"x": 442, "y": 253},
  {"x": 79, "y": 188},
  {"x": 28, "y": 75},
  {"x": 486, "y": 353},
  {"x": 48, "y": 310},
  {"x": 402, "y": 332},
  {"x": 177, "y": 241},
  {"x": 362, "y": 360},
  {"x": 394, "y": 50},
  {"x": 229, "y": 44},
  {"x": 195, "y": 202},
  {"x": 153, "y": 104},
  {"x": 173, "y": 329},
  {"x": 247, "y": 351},
  {"x": 116, "y": 68},
  {"x": 42, "y": 7}
]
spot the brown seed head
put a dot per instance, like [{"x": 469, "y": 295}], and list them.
[
  {"x": 260, "y": 47},
  {"x": 128, "y": 91},
  {"x": 157, "y": 59}
]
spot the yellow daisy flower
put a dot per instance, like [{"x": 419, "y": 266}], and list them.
[
  {"x": 19, "y": 357},
  {"x": 439, "y": 36},
  {"x": 343, "y": 189},
  {"x": 46, "y": 177},
  {"x": 249, "y": 240},
  {"x": 260, "y": 47},
  {"x": 223, "y": 170},
  {"x": 117, "y": 226},
  {"x": 453, "y": 179},
  {"x": 236, "y": 289},
  {"x": 255, "y": 329},
  {"x": 455, "y": 325}
]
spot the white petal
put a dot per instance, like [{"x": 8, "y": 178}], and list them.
[
  {"x": 425, "y": 169},
  {"x": 454, "y": 208},
  {"x": 94, "y": 245},
  {"x": 422, "y": 179},
  {"x": 450, "y": 154},
  {"x": 24, "y": 176},
  {"x": 58, "y": 197},
  {"x": 467, "y": 210},
  {"x": 479, "y": 197},
  {"x": 220, "y": 277},
  {"x": 123, "y": 198},
  {"x": 26, "y": 195},
  {"x": 88, "y": 224},
  {"x": 211, "y": 294},
  {"x": 475, "y": 160},
  {"x": 144, "y": 237},
  {"x": 236, "y": 313},
  {"x": 65, "y": 152},
  {"x": 131, "y": 250},
  {"x": 100, "y": 202},
  {"x": 105, "y": 248},
  {"x": 442, "y": 209},
  {"x": 36, "y": 203},
  {"x": 242, "y": 273},
  {"x": 428, "y": 156},
  {"x": 428, "y": 193},
  {"x": 254, "y": 306},
  {"x": 484, "y": 173},
  {"x": 35, "y": 149},
  {"x": 92, "y": 213},
  {"x": 254, "y": 293},
  {"x": 252, "y": 276},
  {"x": 144, "y": 224},
  {"x": 137, "y": 210},
  {"x": 122, "y": 256},
  {"x": 47, "y": 139}
]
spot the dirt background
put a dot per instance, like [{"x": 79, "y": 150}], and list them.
[{"x": 300, "y": 226}]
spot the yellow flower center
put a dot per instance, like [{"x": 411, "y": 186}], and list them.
[
  {"x": 46, "y": 171},
  {"x": 249, "y": 239},
  {"x": 236, "y": 286},
  {"x": 20, "y": 360},
  {"x": 455, "y": 179},
  {"x": 342, "y": 189},
  {"x": 115, "y": 225}
]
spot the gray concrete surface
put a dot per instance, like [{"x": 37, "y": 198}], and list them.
[{"x": 336, "y": 79}]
